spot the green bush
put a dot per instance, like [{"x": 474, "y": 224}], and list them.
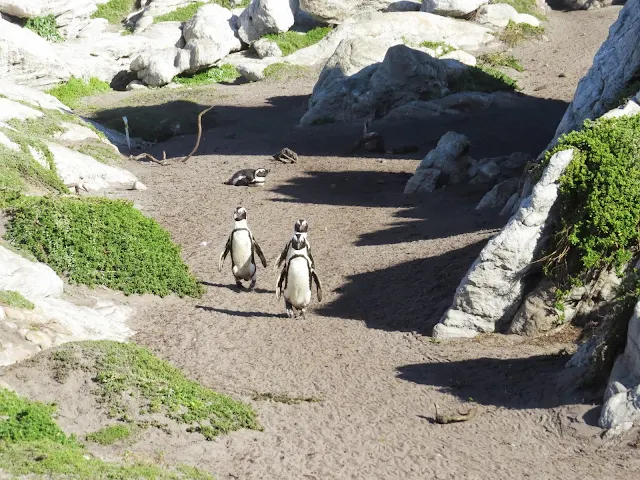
[
  {"x": 111, "y": 434},
  {"x": 599, "y": 196},
  {"x": 97, "y": 241},
  {"x": 223, "y": 74},
  {"x": 15, "y": 299},
  {"x": 289, "y": 42},
  {"x": 500, "y": 59},
  {"x": 74, "y": 89},
  {"x": 515, "y": 33},
  {"x": 181, "y": 14},
  {"x": 45, "y": 27}
]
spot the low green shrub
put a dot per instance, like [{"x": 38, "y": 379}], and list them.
[
  {"x": 226, "y": 73},
  {"x": 290, "y": 42},
  {"x": 11, "y": 298},
  {"x": 45, "y": 26},
  {"x": 71, "y": 92}
]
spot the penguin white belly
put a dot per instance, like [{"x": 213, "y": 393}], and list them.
[
  {"x": 298, "y": 292},
  {"x": 243, "y": 267}
]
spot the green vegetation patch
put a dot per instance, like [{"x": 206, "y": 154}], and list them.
[
  {"x": 283, "y": 398},
  {"x": 599, "y": 196},
  {"x": 71, "y": 92},
  {"x": 226, "y": 73},
  {"x": 32, "y": 443},
  {"x": 483, "y": 79},
  {"x": 290, "y": 42},
  {"x": 115, "y": 11},
  {"x": 11, "y": 298},
  {"x": 111, "y": 434},
  {"x": 46, "y": 27},
  {"x": 500, "y": 59},
  {"x": 525, "y": 6},
  {"x": 181, "y": 14},
  {"x": 100, "y": 151},
  {"x": 515, "y": 33},
  {"x": 98, "y": 241},
  {"x": 280, "y": 71},
  {"x": 124, "y": 371},
  {"x": 441, "y": 48}
]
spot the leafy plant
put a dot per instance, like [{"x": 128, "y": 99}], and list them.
[
  {"x": 115, "y": 11},
  {"x": 515, "y": 33},
  {"x": 74, "y": 89},
  {"x": 45, "y": 26},
  {"x": 225, "y": 73},
  {"x": 441, "y": 48},
  {"x": 11, "y": 298},
  {"x": 111, "y": 434},
  {"x": 181, "y": 14},
  {"x": 500, "y": 59},
  {"x": 97, "y": 241},
  {"x": 290, "y": 42},
  {"x": 280, "y": 71}
]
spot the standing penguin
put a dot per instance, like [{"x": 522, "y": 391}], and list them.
[
  {"x": 300, "y": 229},
  {"x": 243, "y": 247},
  {"x": 294, "y": 281}
]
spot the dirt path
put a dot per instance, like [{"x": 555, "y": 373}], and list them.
[{"x": 390, "y": 266}]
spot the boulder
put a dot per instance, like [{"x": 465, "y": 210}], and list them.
[
  {"x": 143, "y": 19},
  {"x": 404, "y": 6},
  {"x": 498, "y": 15},
  {"x": 452, "y": 8},
  {"x": 498, "y": 196},
  {"x": 267, "y": 48},
  {"x": 31, "y": 279},
  {"x": 614, "y": 66},
  {"x": 490, "y": 292},
  {"x": 11, "y": 110},
  {"x": 265, "y": 16},
  {"x": 537, "y": 313},
  {"x": 164, "y": 35},
  {"x": 403, "y": 76},
  {"x": 157, "y": 68},
  {"x": 449, "y": 158},
  {"x": 334, "y": 12}
]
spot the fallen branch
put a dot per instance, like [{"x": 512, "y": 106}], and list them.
[
  {"x": 148, "y": 156},
  {"x": 461, "y": 417},
  {"x": 199, "y": 134}
]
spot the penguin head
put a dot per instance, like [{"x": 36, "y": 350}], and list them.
[
  {"x": 240, "y": 214},
  {"x": 301, "y": 226},
  {"x": 261, "y": 172},
  {"x": 299, "y": 241}
]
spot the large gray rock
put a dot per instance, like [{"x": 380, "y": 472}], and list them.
[
  {"x": 452, "y": 8},
  {"x": 498, "y": 196},
  {"x": 403, "y": 76},
  {"x": 498, "y": 15},
  {"x": 142, "y": 19},
  {"x": 265, "y": 16},
  {"x": 210, "y": 36},
  {"x": 336, "y": 12},
  {"x": 537, "y": 313},
  {"x": 615, "y": 64},
  {"x": 491, "y": 290},
  {"x": 450, "y": 158},
  {"x": 164, "y": 35},
  {"x": 157, "y": 68},
  {"x": 267, "y": 48}
]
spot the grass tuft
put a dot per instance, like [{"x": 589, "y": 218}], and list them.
[
  {"x": 283, "y": 398},
  {"x": 483, "y": 79},
  {"x": 500, "y": 59},
  {"x": 226, "y": 73},
  {"x": 525, "y": 6},
  {"x": 46, "y": 27},
  {"x": 515, "y": 33},
  {"x": 181, "y": 14},
  {"x": 74, "y": 89},
  {"x": 290, "y": 42},
  {"x": 159, "y": 387},
  {"x": 31, "y": 443},
  {"x": 115, "y": 11},
  {"x": 111, "y": 434},
  {"x": 281, "y": 70},
  {"x": 97, "y": 241},
  {"x": 11, "y": 298},
  {"x": 441, "y": 48}
]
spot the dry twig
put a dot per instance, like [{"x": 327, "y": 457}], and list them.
[
  {"x": 199, "y": 134},
  {"x": 148, "y": 156}
]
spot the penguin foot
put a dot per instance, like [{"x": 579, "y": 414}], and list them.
[
  {"x": 289, "y": 308},
  {"x": 239, "y": 285},
  {"x": 303, "y": 313},
  {"x": 253, "y": 283}
]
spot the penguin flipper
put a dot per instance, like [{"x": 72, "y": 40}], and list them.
[
  {"x": 224, "y": 254},
  {"x": 313, "y": 263},
  {"x": 281, "y": 278},
  {"x": 315, "y": 278},
  {"x": 260, "y": 254},
  {"x": 282, "y": 257}
]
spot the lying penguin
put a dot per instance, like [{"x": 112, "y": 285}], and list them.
[
  {"x": 243, "y": 247},
  {"x": 248, "y": 177},
  {"x": 301, "y": 227},
  {"x": 294, "y": 281}
]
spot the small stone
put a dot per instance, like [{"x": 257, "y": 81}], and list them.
[
  {"x": 14, "y": 313},
  {"x": 138, "y": 185},
  {"x": 136, "y": 85},
  {"x": 562, "y": 75}
]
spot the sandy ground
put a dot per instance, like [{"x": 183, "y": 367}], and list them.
[{"x": 390, "y": 266}]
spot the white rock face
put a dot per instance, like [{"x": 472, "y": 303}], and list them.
[
  {"x": 157, "y": 68},
  {"x": 164, "y": 34},
  {"x": 491, "y": 289},
  {"x": 616, "y": 62},
  {"x": 265, "y": 16},
  {"x": 31, "y": 279},
  {"x": 266, "y": 48},
  {"x": 6, "y": 142},
  {"x": 337, "y": 11},
  {"x": 13, "y": 91},
  {"x": 498, "y": 15},
  {"x": 76, "y": 168},
  {"x": 452, "y": 8},
  {"x": 10, "y": 110}
]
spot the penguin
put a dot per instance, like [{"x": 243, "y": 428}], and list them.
[
  {"x": 248, "y": 177},
  {"x": 295, "y": 279},
  {"x": 242, "y": 246},
  {"x": 300, "y": 228}
]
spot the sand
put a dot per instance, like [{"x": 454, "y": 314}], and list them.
[{"x": 390, "y": 266}]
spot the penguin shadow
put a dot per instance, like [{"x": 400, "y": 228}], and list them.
[
  {"x": 238, "y": 313},
  {"x": 235, "y": 288}
]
